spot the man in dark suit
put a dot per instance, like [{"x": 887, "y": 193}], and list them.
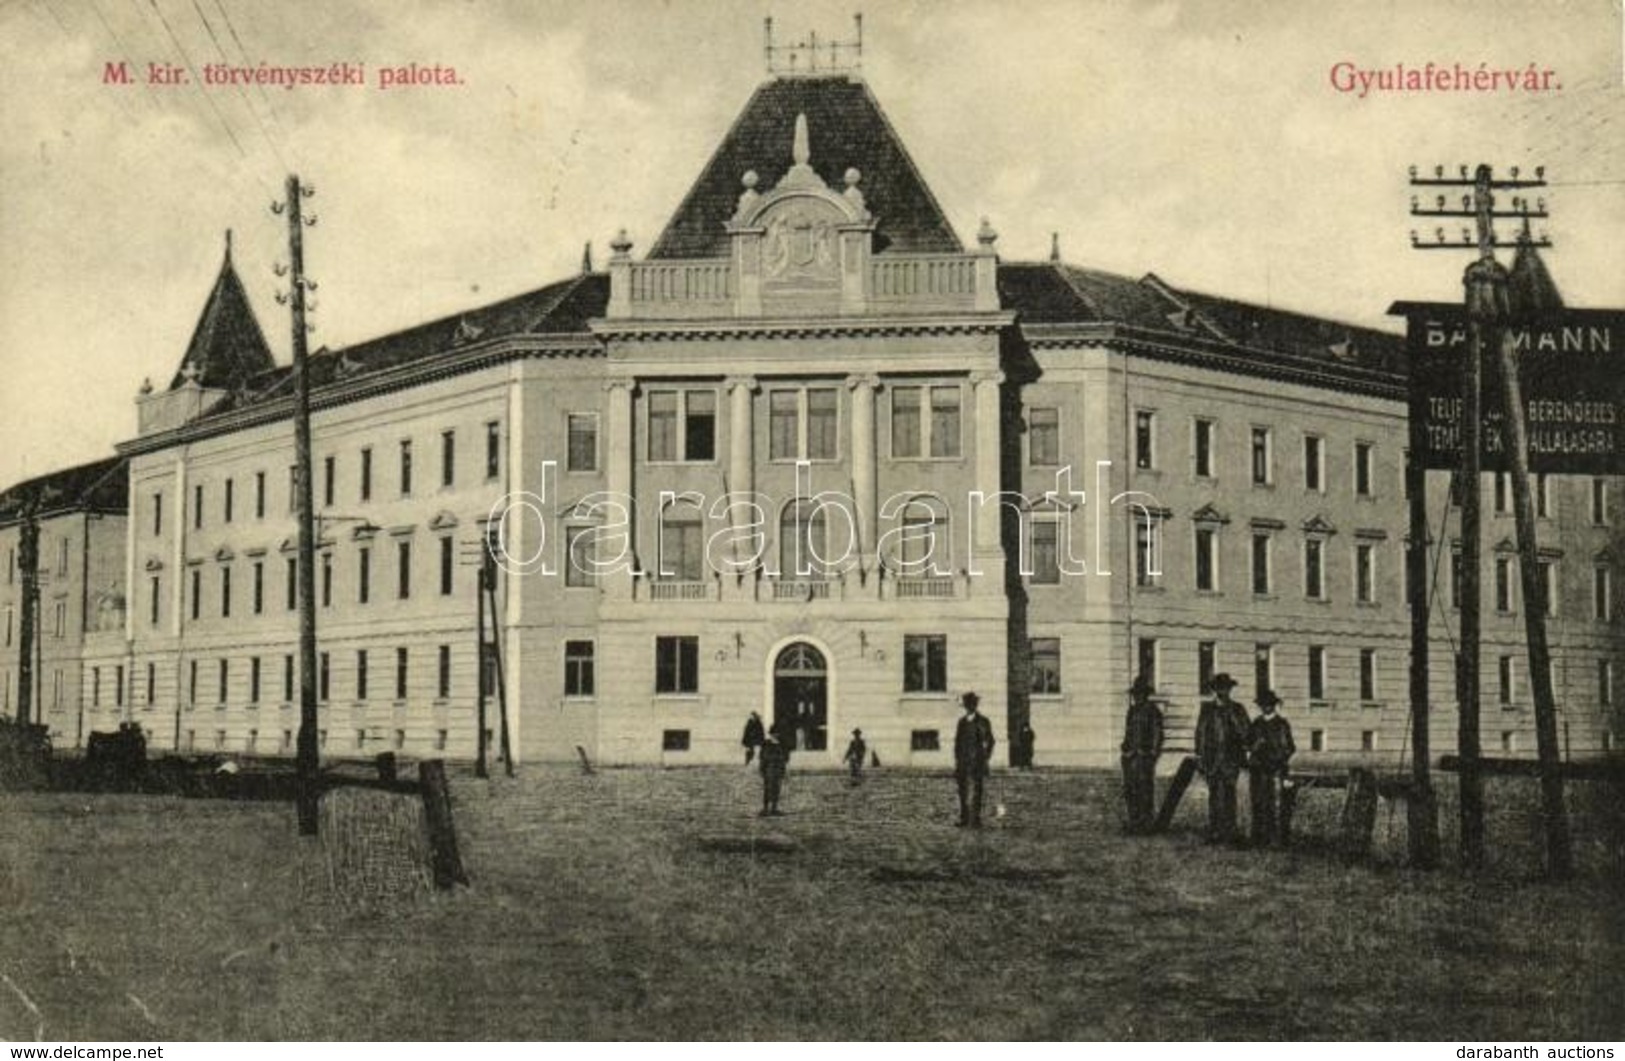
[
  {"x": 1142, "y": 744},
  {"x": 973, "y": 749},
  {"x": 753, "y": 737},
  {"x": 1270, "y": 750},
  {"x": 1221, "y": 752}
]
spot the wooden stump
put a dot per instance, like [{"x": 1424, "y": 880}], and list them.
[
  {"x": 443, "y": 856},
  {"x": 1359, "y": 817},
  {"x": 1176, "y": 792}
]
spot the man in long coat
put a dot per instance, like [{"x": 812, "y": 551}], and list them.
[
  {"x": 973, "y": 749},
  {"x": 1142, "y": 744},
  {"x": 1221, "y": 752},
  {"x": 753, "y": 736},
  {"x": 1270, "y": 750}
]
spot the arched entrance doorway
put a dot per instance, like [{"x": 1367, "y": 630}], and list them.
[{"x": 801, "y": 697}]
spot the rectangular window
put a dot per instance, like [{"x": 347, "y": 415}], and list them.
[
  {"x": 259, "y": 495},
  {"x": 906, "y": 427},
  {"x": 154, "y": 589},
  {"x": 448, "y": 458},
  {"x": 1146, "y": 654},
  {"x": 448, "y": 562},
  {"x": 1506, "y": 680},
  {"x": 259, "y": 587},
  {"x": 152, "y": 683},
  {"x": 1314, "y": 463},
  {"x": 1548, "y": 583},
  {"x": 493, "y": 449},
  {"x": 1145, "y": 554},
  {"x": 361, "y": 674},
  {"x": 254, "y": 680},
  {"x": 1368, "y": 740},
  {"x": 287, "y": 679},
  {"x": 63, "y": 547},
  {"x": 329, "y": 479},
  {"x": 1261, "y": 455},
  {"x": 403, "y": 569},
  {"x": 324, "y": 676},
  {"x": 579, "y": 679},
  {"x": 663, "y": 425},
  {"x": 292, "y": 567},
  {"x": 224, "y": 681},
  {"x": 700, "y": 425},
  {"x": 406, "y": 466},
  {"x": 1503, "y": 584},
  {"x": 293, "y": 488},
  {"x": 191, "y": 682},
  {"x": 1145, "y": 439},
  {"x": 945, "y": 421},
  {"x": 1207, "y": 559},
  {"x": 118, "y": 685},
  {"x": 1207, "y": 665},
  {"x": 579, "y": 568},
  {"x": 1605, "y": 682},
  {"x": 363, "y": 574},
  {"x": 443, "y": 672},
  {"x": 225, "y": 593},
  {"x": 1602, "y": 593},
  {"x": 61, "y": 619},
  {"x": 677, "y": 664},
  {"x": 197, "y": 593},
  {"x": 1314, "y": 584},
  {"x": 1543, "y": 495},
  {"x": 401, "y": 672},
  {"x": 1044, "y": 654},
  {"x": 1368, "y": 674},
  {"x": 1044, "y": 436},
  {"x": 1455, "y": 579},
  {"x": 682, "y": 548},
  {"x": 1599, "y": 502},
  {"x": 157, "y": 514},
  {"x": 1202, "y": 449},
  {"x": 1263, "y": 668},
  {"x": 9, "y": 615},
  {"x": 366, "y": 473},
  {"x": 1261, "y": 564},
  {"x": 582, "y": 444},
  {"x": 924, "y": 740},
  {"x": 925, "y": 663},
  {"x": 95, "y": 687},
  {"x": 1503, "y": 493},
  {"x": 227, "y": 501},
  {"x": 1317, "y": 672},
  {"x": 197, "y": 507},
  {"x": 327, "y": 580},
  {"x": 1046, "y": 564},
  {"x": 1362, "y": 469},
  {"x": 1365, "y": 572},
  {"x": 823, "y": 418}
]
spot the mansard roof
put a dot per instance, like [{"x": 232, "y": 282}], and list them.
[
  {"x": 100, "y": 486},
  {"x": 227, "y": 348},
  {"x": 847, "y": 129}
]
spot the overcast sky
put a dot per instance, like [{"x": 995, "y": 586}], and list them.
[{"x": 1201, "y": 140}]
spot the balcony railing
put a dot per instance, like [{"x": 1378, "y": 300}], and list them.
[
  {"x": 933, "y": 588},
  {"x": 937, "y": 279},
  {"x": 659, "y": 590},
  {"x": 800, "y": 590},
  {"x": 678, "y": 289}
]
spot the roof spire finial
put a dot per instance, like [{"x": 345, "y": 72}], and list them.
[
  {"x": 228, "y": 245},
  {"x": 800, "y": 152},
  {"x": 1054, "y": 246},
  {"x": 586, "y": 257}
]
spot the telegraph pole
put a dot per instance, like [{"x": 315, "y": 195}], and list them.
[
  {"x": 308, "y": 787},
  {"x": 1485, "y": 283},
  {"x": 28, "y": 632}
]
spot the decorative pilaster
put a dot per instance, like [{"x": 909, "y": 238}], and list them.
[
  {"x": 986, "y": 548},
  {"x": 863, "y": 466},
  {"x": 620, "y": 277},
  {"x": 741, "y": 466},
  {"x": 987, "y": 268},
  {"x": 619, "y": 443}
]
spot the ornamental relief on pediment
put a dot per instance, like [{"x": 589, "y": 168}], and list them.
[{"x": 800, "y": 242}]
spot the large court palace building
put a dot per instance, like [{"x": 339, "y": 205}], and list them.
[{"x": 810, "y": 454}]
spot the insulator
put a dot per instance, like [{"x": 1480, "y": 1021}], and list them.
[
  {"x": 1438, "y": 171},
  {"x": 1414, "y": 240},
  {"x": 308, "y": 191},
  {"x": 276, "y": 208},
  {"x": 1540, "y": 205},
  {"x": 1414, "y": 203},
  {"x": 310, "y": 222},
  {"x": 281, "y": 299},
  {"x": 310, "y": 285},
  {"x": 1514, "y": 172},
  {"x": 279, "y": 269},
  {"x": 1441, "y": 202},
  {"x": 1463, "y": 172},
  {"x": 1438, "y": 235},
  {"x": 1466, "y": 235},
  {"x": 1413, "y": 173},
  {"x": 1467, "y": 202},
  {"x": 1540, "y": 173}
]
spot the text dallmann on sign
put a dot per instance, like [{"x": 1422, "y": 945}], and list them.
[{"x": 1572, "y": 370}]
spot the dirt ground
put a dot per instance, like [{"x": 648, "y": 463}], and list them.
[{"x": 655, "y": 904}]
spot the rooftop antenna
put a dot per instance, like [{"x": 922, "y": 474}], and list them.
[{"x": 813, "y": 56}]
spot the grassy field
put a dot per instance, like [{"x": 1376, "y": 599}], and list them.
[{"x": 654, "y": 904}]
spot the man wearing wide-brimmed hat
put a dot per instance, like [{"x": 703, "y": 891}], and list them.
[
  {"x": 1270, "y": 749},
  {"x": 1221, "y": 752},
  {"x": 1142, "y": 744},
  {"x": 973, "y": 749}
]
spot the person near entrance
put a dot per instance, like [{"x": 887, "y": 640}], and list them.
[
  {"x": 755, "y": 734},
  {"x": 1269, "y": 751},
  {"x": 1221, "y": 751},
  {"x": 973, "y": 750},
  {"x": 775, "y": 761},
  {"x": 855, "y": 752},
  {"x": 1142, "y": 745}
]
